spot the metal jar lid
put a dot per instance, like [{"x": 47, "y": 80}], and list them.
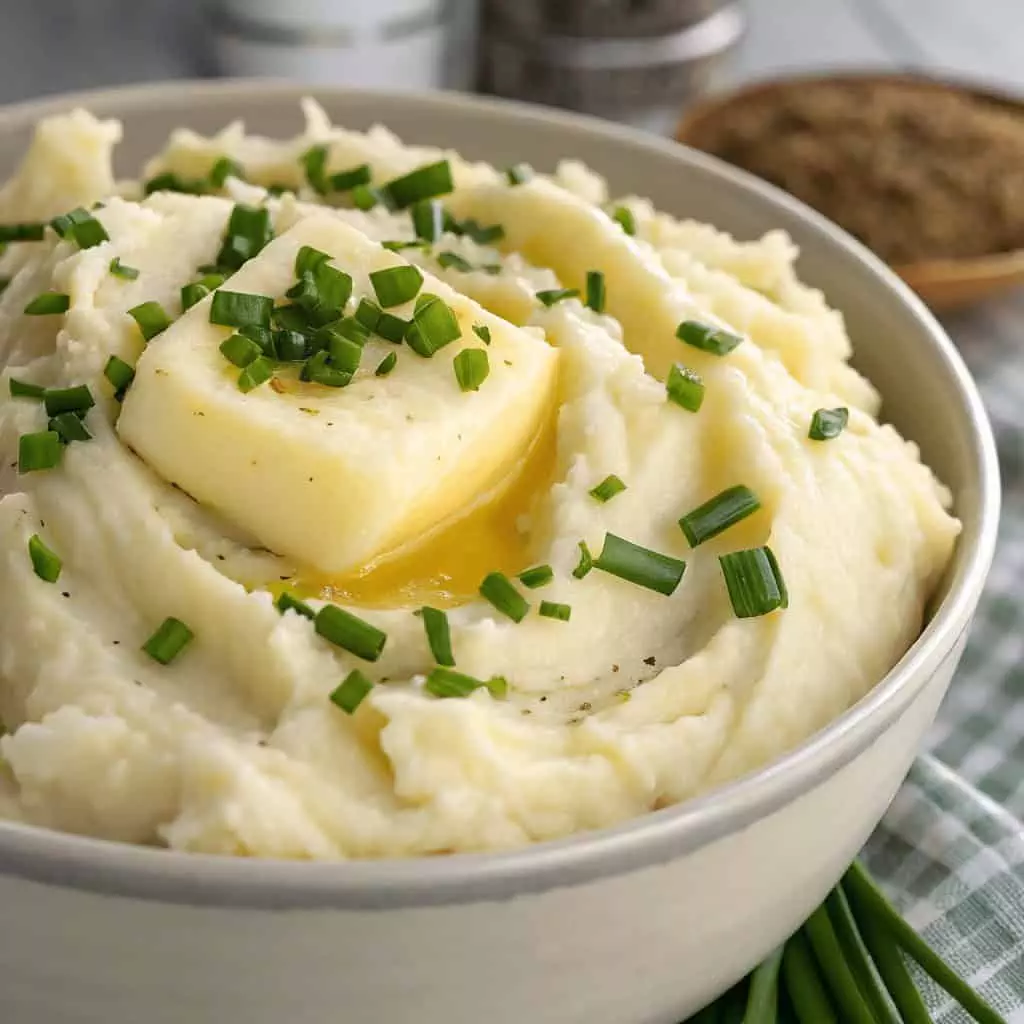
[{"x": 595, "y": 18}]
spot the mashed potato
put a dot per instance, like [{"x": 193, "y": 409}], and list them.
[{"x": 272, "y": 608}]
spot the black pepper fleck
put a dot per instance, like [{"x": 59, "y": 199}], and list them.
[
  {"x": 64, "y": 593},
  {"x": 586, "y": 706},
  {"x": 651, "y": 660},
  {"x": 615, "y": 668}
]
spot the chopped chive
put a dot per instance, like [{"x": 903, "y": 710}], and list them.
[
  {"x": 368, "y": 314},
  {"x": 585, "y": 562},
  {"x": 607, "y": 488},
  {"x": 707, "y": 338},
  {"x": 151, "y": 318},
  {"x": 353, "y": 634},
  {"x": 518, "y": 174},
  {"x": 386, "y": 365},
  {"x": 75, "y": 399},
  {"x": 119, "y": 269},
  {"x": 623, "y": 216},
  {"x": 640, "y": 565},
  {"x": 396, "y": 285},
  {"x": 595, "y": 291},
  {"x": 471, "y": 367},
  {"x": 434, "y": 326},
  {"x": 498, "y": 589},
  {"x": 168, "y": 181},
  {"x": 289, "y": 318},
  {"x": 211, "y": 281},
  {"x": 491, "y": 268},
  {"x": 81, "y": 227},
  {"x": 719, "y": 513},
  {"x": 482, "y": 234},
  {"x": 120, "y": 374},
  {"x": 345, "y": 181},
  {"x": 550, "y": 296},
  {"x": 4, "y": 282},
  {"x": 453, "y": 261},
  {"x": 48, "y": 303},
  {"x": 279, "y": 190},
  {"x": 248, "y": 231},
  {"x": 538, "y": 576},
  {"x": 345, "y": 353},
  {"x": 192, "y": 293},
  {"x": 70, "y": 427},
  {"x": 684, "y": 387},
  {"x": 444, "y": 682},
  {"x": 366, "y": 198},
  {"x": 223, "y": 169},
  {"x": 287, "y": 602},
  {"x": 428, "y": 219},
  {"x": 28, "y": 232},
  {"x": 828, "y": 423},
  {"x": 314, "y": 161},
  {"x": 483, "y": 332},
  {"x": 435, "y": 623},
  {"x": 168, "y": 641},
  {"x": 329, "y": 376},
  {"x": 240, "y": 350},
  {"x": 258, "y": 372},
  {"x": 351, "y": 692},
  {"x": 423, "y": 183},
  {"x": 41, "y": 450},
  {"x": 45, "y": 563},
  {"x": 22, "y": 389},
  {"x": 238, "y": 309},
  {"x": 289, "y": 346},
  {"x": 392, "y": 328},
  {"x": 309, "y": 258},
  {"x": 554, "y": 610},
  {"x": 754, "y": 582},
  {"x": 401, "y": 244},
  {"x": 263, "y": 337}
]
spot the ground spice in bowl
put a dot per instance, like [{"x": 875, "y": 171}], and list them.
[{"x": 916, "y": 169}]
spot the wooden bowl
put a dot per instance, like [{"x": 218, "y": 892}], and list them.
[{"x": 944, "y": 284}]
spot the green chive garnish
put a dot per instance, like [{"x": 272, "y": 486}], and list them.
[
  {"x": 287, "y": 602},
  {"x": 352, "y": 691},
  {"x": 828, "y": 423},
  {"x": 623, "y": 216},
  {"x": 453, "y": 261},
  {"x": 366, "y": 198},
  {"x": 314, "y": 160},
  {"x": 288, "y": 346},
  {"x": 48, "y": 303},
  {"x": 22, "y": 389},
  {"x": 707, "y": 338},
  {"x": 640, "y": 565},
  {"x": 345, "y": 353},
  {"x": 435, "y": 622},
  {"x": 237, "y": 309},
  {"x": 211, "y": 280},
  {"x": 443, "y": 682},
  {"x": 308, "y": 259},
  {"x": 151, "y": 318},
  {"x": 483, "y": 332},
  {"x": 120, "y": 374},
  {"x": 595, "y": 291},
  {"x": 471, "y": 368},
  {"x": 168, "y": 641},
  {"x": 81, "y": 227},
  {"x": 240, "y": 350},
  {"x": 223, "y": 169},
  {"x": 318, "y": 371},
  {"x": 392, "y": 328},
  {"x": 368, "y": 314},
  {"x": 191, "y": 294},
  {"x": 434, "y": 326},
  {"x": 585, "y": 563},
  {"x": 345, "y": 181},
  {"x": 353, "y": 634},
  {"x": 401, "y": 244},
  {"x": 46, "y": 563},
  {"x": 607, "y": 488},
  {"x": 498, "y": 589},
  {"x": 70, "y": 427},
  {"x": 538, "y": 576},
  {"x": 248, "y": 231},
  {"x": 386, "y": 365},
  {"x": 428, "y": 219},
  {"x": 263, "y": 337},
  {"x": 289, "y": 318},
  {"x": 754, "y": 581},
  {"x": 258, "y": 372},
  {"x": 554, "y": 610},
  {"x": 41, "y": 450},
  {"x": 75, "y": 399},
  {"x": 29, "y": 232},
  {"x": 396, "y": 285},
  {"x": 482, "y": 234},
  {"x": 518, "y": 174},
  {"x": 119, "y": 269},
  {"x": 168, "y": 181},
  {"x": 550, "y": 296},
  {"x": 719, "y": 513},
  {"x": 684, "y": 387},
  {"x": 423, "y": 183}
]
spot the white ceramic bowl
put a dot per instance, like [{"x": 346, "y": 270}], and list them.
[{"x": 639, "y": 924}]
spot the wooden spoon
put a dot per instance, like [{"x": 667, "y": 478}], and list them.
[{"x": 943, "y": 284}]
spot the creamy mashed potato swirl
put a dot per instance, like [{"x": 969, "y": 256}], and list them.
[{"x": 198, "y": 501}]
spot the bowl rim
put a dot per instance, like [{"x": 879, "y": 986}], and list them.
[{"x": 120, "y": 869}]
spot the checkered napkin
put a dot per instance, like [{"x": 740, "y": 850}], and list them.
[{"x": 950, "y": 852}]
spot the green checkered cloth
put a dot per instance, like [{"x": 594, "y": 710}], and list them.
[{"x": 950, "y": 852}]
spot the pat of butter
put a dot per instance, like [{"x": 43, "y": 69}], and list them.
[{"x": 335, "y": 477}]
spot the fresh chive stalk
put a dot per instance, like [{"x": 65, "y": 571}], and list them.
[
  {"x": 827, "y": 424},
  {"x": 151, "y": 318},
  {"x": 345, "y": 630},
  {"x": 45, "y": 563},
  {"x": 170, "y": 639},
  {"x": 49, "y": 303},
  {"x": 538, "y": 576},
  {"x": 554, "y": 610},
  {"x": 639, "y": 565},
  {"x": 23, "y": 389},
  {"x": 607, "y": 488},
  {"x": 423, "y": 183},
  {"x": 595, "y": 291},
  {"x": 754, "y": 582},
  {"x": 585, "y": 562},
  {"x": 435, "y": 623},
  {"x": 352, "y": 691},
  {"x": 287, "y": 602},
  {"x": 471, "y": 368},
  {"x": 684, "y": 387},
  {"x": 483, "y": 332},
  {"x": 623, "y": 216},
  {"x": 394, "y": 286},
  {"x": 498, "y": 589},
  {"x": 707, "y": 338},
  {"x": 74, "y": 399},
  {"x": 718, "y": 514},
  {"x": 345, "y": 181},
  {"x": 122, "y": 270},
  {"x": 386, "y": 365},
  {"x": 38, "y": 451},
  {"x": 550, "y": 296}
]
